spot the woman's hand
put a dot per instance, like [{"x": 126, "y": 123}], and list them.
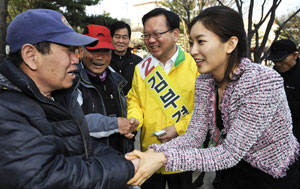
[
  {"x": 136, "y": 163},
  {"x": 150, "y": 162}
]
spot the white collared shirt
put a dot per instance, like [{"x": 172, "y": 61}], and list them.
[{"x": 169, "y": 64}]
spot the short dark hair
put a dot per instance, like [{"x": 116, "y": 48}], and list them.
[
  {"x": 119, "y": 25},
  {"x": 173, "y": 19},
  {"x": 225, "y": 23},
  {"x": 42, "y": 47}
]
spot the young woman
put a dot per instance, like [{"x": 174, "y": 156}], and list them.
[{"x": 241, "y": 106}]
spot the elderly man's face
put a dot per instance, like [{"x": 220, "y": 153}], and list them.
[
  {"x": 96, "y": 60},
  {"x": 120, "y": 41},
  {"x": 287, "y": 63},
  {"x": 56, "y": 70}
]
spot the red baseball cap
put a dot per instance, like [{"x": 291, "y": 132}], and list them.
[{"x": 101, "y": 33}]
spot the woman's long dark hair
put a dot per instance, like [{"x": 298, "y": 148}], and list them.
[{"x": 225, "y": 23}]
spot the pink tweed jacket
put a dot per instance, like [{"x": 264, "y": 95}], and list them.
[{"x": 257, "y": 123}]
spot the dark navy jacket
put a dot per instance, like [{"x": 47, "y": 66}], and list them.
[
  {"x": 93, "y": 102},
  {"x": 125, "y": 65},
  {"x": 46, "y": 144},
  {"x": 292, "y": 88}
]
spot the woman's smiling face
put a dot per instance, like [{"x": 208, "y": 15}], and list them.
[{"x": 210, "y": 53}]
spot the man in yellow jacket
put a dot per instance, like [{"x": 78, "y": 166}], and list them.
[{"x": 162, "y": 93}]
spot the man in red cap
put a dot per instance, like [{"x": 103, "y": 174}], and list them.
[{"x": 100, "y": 93}]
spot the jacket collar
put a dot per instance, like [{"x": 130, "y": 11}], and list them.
[
  {"x": 6, "y": 84},
  {"x": 294, "y": 68},
  {"x": 102, "y": 77},
  {"x": 118, "y": 57},
  {"x": 180, "y": 58},
  {"x": 117, "y": 78},
  {"x": 15, "y": 78},
  {"x": 241, "y": 69},
  {"x": 229, "y": 90}
]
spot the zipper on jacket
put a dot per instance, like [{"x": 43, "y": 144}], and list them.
[
  {"x": 63, "y": 109},
  {"x": 84, "y": 142}
]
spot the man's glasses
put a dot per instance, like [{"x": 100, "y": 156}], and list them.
[{"x": 155, "y": 35}]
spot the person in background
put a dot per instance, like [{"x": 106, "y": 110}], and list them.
[
  {"x": 44, "y": 140},
  {"x": 162, "y": 93},
  {"x": 122, "y": 60},
  {"x": 240, "y": 105},
  {"x": 100, "y": 91},
  {"x": 284, "y": 54}
]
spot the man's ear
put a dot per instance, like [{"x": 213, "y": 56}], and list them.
[
  {"x": 176, "y": 33},
  {"x": 295, "y": 55},
  {"x": 231, "y": 44},
  {"x": 30, "y": 56},
  {"x": 81, "y": 52}
]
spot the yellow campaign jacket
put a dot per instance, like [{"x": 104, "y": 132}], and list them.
[{"x": 142, "y": 106}]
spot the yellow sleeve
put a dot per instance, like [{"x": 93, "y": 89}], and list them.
[{"x": 183, "y": 124}]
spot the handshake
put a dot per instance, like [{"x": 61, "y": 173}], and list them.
[
  {"x": 148, "y": 162},
  {"x": 145, "y": 164},
  {"x": 127, "y": 126}
]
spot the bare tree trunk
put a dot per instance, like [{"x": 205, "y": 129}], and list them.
[
  {"x": 3, "y": 15},
  {"x": 200, "y": 4},
  {"x": 186, "y": 45},
  {"x": 259, "y": 49}
]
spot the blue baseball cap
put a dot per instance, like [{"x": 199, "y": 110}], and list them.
[{"x": 38, "y": 25}]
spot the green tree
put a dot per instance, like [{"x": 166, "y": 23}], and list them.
[
  {"x": 73, "y": 10},
  {"x": 15, "y": 7},
  {"x": 186, "y": 11},
  {"x": 3, "y": 15},
  {"x": 292, "y": 28},
  {"x": 100, "y": 20}
]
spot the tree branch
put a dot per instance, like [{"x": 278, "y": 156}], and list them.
[
  {"x": 220, "y": 3},
  {"x": 284, "y": 23},
  {"x": 239, "y": 4}
]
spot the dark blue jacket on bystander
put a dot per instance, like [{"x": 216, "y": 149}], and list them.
[{"x": 45, "y": 143}]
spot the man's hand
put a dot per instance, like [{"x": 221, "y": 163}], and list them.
[
  {"x": 171, "y": 133},
  {"x": 134, "y": 123},
  {"x": 126, "y": 127}
]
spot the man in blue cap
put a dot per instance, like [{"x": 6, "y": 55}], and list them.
[{"x": 44, "y": 140}]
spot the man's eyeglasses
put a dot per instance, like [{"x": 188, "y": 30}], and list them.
[{"x": 155, "y": 35}]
